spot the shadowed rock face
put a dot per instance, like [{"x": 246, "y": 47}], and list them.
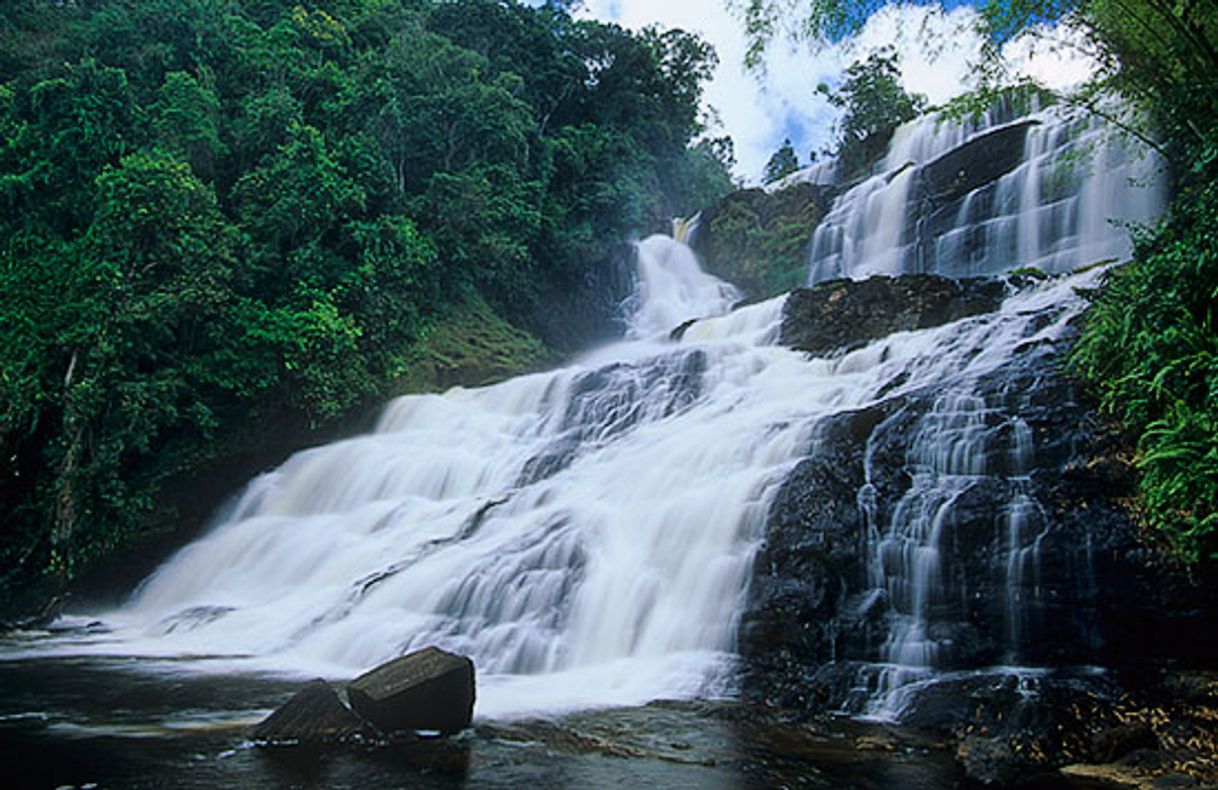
[
  {"x": 980, "y": 161},
  {"x": 819, "y": 628},
  {"x": 426, "y": 690},
  {"x": 584, "y": 308},
  {"x": 841, "y": 315},
  {"x": 1092, "y": 594}
]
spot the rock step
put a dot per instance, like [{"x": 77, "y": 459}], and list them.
[
  {"x": 838, "y": 316},
  {"x": 426, "y": 690}
]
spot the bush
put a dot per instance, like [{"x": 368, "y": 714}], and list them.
[{"x": 1150, "y": 349}]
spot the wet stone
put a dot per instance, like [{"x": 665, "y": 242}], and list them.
[
  {"x": 841, "y": 315},
  {"x": 314, "y": 715},
  {"x": 1116, "y": 742},
  {"x": 426, "y": 690}
]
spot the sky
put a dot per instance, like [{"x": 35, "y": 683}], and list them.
[{"x": 759, "y": 113}]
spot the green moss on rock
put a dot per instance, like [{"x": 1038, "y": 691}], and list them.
[
  {"x": 759, "y": 240},
  {"x": 471, "y": 346}
]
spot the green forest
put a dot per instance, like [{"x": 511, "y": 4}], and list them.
[{"x": 215, "y": 213}]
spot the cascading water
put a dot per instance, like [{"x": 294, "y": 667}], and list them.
[
  {"x": 1071, "y": 178},
  {"x": 1058, "y": 208},
  {"x": 587, "y": 535}
]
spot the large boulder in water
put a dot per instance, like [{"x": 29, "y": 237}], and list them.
[
  {"x": 314, "y": 715},
  {"x": 841, "y": 315},
  {"x": 426, "y": 690}
]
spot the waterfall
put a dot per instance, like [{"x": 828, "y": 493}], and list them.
[
  {"x": 1071, "y": 179},
  {"x": 1060, "y": 206},
  {"x": 684, "y": 229},
  {"x": 587, "y": 535},
  {"x": 672, "y": 288}
]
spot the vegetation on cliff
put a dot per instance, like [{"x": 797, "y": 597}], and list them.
[
  {"x": 759, "y": 240},
  {"x": 214, "y": 211}
]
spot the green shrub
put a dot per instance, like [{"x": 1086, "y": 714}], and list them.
[{"x": 1150, "y": 349}]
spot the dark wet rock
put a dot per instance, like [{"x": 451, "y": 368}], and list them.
[
  {"x": 1084, "y": 589},
  {"x": 314, "y": 715},
  {"x": 841, "y": 315},
  {"x": 615, "y": 399},
  {"x": 1115, "y": 742},
  {"x": 981, "y": 161},
  {"x": 1174, "y": 780},
  {"x": 429, "y": 689},
  {"x": 554, "y": 458},
  {"x": 1009, "y": 726},
  {"x": 964, "y": 180},
  {"x": 1196, "y": 687},
  {"x": 800, "y": 610},
  {"x": 989, "y": 761},
  {"x": 47, "y": 612},
  {"x": 611, "y": 400},
  {"x": 679, "y": 332}
]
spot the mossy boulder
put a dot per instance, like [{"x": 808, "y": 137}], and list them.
[{"x": 759, "y": 240}]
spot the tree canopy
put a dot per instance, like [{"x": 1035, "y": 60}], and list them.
[
  {"x": 782, "y": 163},
  {"x": 217, "y": 211},
  {"x": 873, "y": 105}
]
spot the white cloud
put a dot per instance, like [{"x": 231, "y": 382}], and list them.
[
  {"x": 760, "y": 113},
  {"x": 1057, "y": 58},
  {"x": 936, "y": 47}
]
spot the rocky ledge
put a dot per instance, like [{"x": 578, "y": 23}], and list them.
[
  {"x": 841, "y": 315},
  {"x": 1055, "y": 631}
]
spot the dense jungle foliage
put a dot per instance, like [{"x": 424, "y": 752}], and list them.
[
  {"x": 213, "y": 212},
  {"x": 1149, "y": 347}
]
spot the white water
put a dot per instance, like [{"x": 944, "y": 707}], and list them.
[
  {"x": 615, "y": 576},
  {"x": 586, "y": 535},
  {"x": 1064, "y": 207},
  {"x": 1059, "y": 210}
]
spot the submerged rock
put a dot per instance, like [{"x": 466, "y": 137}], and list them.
[
  {"x": 426, "y": 690},
  {"x": 841, "y": 315},
  {"x": 314, "y": 715}
]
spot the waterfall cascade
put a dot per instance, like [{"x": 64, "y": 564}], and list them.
[
  {"x": 944, "y": 202},
  {"x": 990, "y": 196},
  {"x": 587, "y": 535}
]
